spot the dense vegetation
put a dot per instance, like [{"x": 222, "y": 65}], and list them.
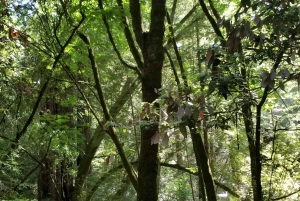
[{"x": 149, "y": 100}]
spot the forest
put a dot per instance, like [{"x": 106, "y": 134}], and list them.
[{"x": 150, "y": 100}]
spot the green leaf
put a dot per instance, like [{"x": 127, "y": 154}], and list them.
[
  {"x": 196, "y": 114},
  {"x": 183, "y": 130},
  {"x": 192, "y": 170}
]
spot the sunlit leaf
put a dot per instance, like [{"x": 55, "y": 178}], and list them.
[
  {"x": 196, "y": 114},
  {"x": 192, "y": 170}
]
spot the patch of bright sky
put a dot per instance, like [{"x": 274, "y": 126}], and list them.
[
  {"x": 230, "y": 10},
  {"x": 22, "y": 3}
]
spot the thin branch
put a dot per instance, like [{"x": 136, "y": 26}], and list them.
[
  {"x": 37, "y": 46},
  {"x": 98, "y": 86},
  {"x": 273, "y": 162},
  {"x": 129, "y": 38},
  {"x": 223, "y": 186},
  {"x": 174, "y": 5},
  {"x": 286, "y": 129},
  {"x": 226, "y": 188},
  {"x": 258, "y": 127},
  {"x": 46, "y": 28},
  {"x": 126, "y": 92},
  {"x": 31, "y": 156},
  {"x": 177, "y": 52},
  {"x": 180, "y": 35},
  {"x": 6, "y": 138},
  {"x": 36, "y": 167},
  {"x": 82, "y": 94},
  {"x": 212, "y": 22},
  {"x": 99, "y": 134},
  {"x": 111, "y": 39},
  {"x": 212, "y": 7},
  {"x": 65, "y": 10},
  {"x": 135, "y": 11},
  {"x": 103, "y": 178},
  {"x": 182, "y": 21},
  {"x": 172, "y": 67},
  {"x": 285, "y": 196},
  {"x": 55, "y": 28},
  {"x": 188, "y": 15}
]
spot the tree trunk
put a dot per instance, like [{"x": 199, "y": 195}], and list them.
[
  {"x": 54, "y": 181},
  {"x": 202, "y": 161},
  {"x": 46, "y": 188},
  {"x": 153, "y": 54},
  {"x": 249, "y": 127}
]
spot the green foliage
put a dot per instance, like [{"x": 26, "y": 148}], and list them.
[{"x": 66, "y": 118}]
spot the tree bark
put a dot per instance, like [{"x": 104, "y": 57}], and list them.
[
  {"x": 54, "y": 181},
  {"x": 202, "y": 162},
  {"x": 247, "y": 116},
  {"x": 153, "y": 54}
]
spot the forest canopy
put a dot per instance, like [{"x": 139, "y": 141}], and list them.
[{"x": 149, "y": 100}]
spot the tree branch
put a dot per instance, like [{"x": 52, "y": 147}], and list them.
[
  {"x": 36, "y": 167},
  {"x": 212, "y": 22},
  {"x": 174, "y": 5},
  {"x": 129, "y": 38},
  {"x": 135, "y": 11},
  {"x": 98, "y": 86},
  {"x": 183, "y": 75},
  {"x": 82, "y": 94},
  {"x": 157, "y": 25},
  {"x": 285, "y": 196},
  {"x": 172, "y": 67},
  {"x": 98, "y": 136},
  {"x": 212, "y": 7},
  {"x": 111, "y": 131},
  {"x": 111, "y": 39},
  {"x": 128, "y": 88},
  {"x": 258, "y": 126},
  {"x": 188, "y": 15}
]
